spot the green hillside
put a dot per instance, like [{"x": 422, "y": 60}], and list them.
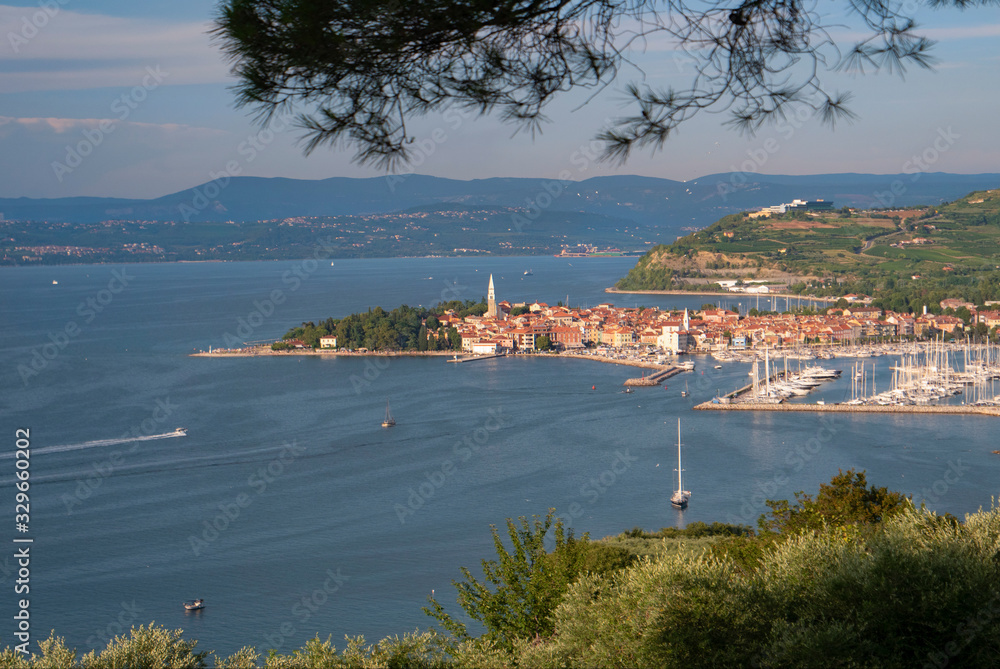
[
  {"x": 896, "y": 255},
  {"x": 438, "y": 230}
]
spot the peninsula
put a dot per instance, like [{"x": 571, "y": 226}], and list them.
[{"x": 646, "y": 337}]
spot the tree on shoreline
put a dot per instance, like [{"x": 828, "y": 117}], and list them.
[{"x": 403, "y": 328}]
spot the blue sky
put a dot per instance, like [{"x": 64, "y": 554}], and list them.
[{"x": 142, "y": 91}]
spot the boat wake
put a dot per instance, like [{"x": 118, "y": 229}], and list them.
[{"x": 97, "y": 443}]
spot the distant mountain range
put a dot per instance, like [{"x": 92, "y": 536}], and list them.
[{"x": 646, "y": 201}]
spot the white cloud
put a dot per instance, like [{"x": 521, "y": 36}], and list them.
[
  {"x": 63, "y": 49},
  {"x": 962, "y": 32},
  {"x": 63, "y": 125},
  {"x": 62, "y": 156}
]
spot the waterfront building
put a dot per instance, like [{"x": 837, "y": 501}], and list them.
[
  {"x": 329, "y": 341},
  {"x": 567, "y": 336},
  {"x": 524, "y": 338},
  {"x": 488, "y": 347},
  {"x": 674, "y": 339}
]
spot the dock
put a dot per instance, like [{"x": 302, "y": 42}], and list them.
[
  {"x": 747, "y": 388},
  {"x": 477, "y": 357},
  {"x": 853, "y": 408}
]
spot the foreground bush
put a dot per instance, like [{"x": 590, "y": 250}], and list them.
[
  {"x": 856, "y": 577},
  {"x": 923, "y": 591}
]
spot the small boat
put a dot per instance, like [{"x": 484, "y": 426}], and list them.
[
  {"x": 627, "y": 391},
  {"x": 181, "y": 431},
  {"x": 194, "y": 604},
  {"x": 54, "y": 282},
  {"x": 718, "y": 366},
  {"x": 680, "y": 497},
  {"x": 528, "y": 272},
  {"x": 684, "y": 393},
  {"x": 389, "y": 420}
]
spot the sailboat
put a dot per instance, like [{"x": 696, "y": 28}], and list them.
[
  {"x": 389, "y": 420},
  {"x": 680, "y": 497}
]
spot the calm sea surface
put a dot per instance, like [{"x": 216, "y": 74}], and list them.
[{"x": 292, "y": 512}]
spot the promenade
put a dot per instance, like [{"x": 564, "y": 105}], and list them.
[{"x": 261, "y": 351}]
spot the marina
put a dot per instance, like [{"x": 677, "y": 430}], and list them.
[
  {"x": 924, "y": 376},
  {"x": 854, "y": 408}
]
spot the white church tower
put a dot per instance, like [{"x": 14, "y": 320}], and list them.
[{"x": 491, "y": 298}]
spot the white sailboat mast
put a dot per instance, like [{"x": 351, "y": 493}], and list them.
[{"x": 680, "y": 486}]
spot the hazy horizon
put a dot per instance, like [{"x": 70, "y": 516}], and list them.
[{"x": 145, "y": 94}]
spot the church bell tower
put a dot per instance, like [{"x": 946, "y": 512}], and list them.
[{"x": 491, "y": 299}]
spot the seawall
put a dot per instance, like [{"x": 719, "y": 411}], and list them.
[{"x": 852, "y": 408}]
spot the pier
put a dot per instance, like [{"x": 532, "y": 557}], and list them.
[
  {"x": 477, "y": 357},
  {"x": 739, "y": 392},
  {"x": 854, "y": 408},
  {"x": 655, "y": 378}
]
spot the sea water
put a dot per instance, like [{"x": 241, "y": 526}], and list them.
[{"x": 293, "y": 513}]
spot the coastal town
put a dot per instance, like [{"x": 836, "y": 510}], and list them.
[
  {"x": 938, "y": 355},
  {"x": 624, "y": 332},
  {"x": 528, "y": 327}
]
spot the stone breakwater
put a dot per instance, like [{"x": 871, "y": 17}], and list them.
[
  {"x": 642, "y": 382},
  {"x": 852, "y": 408},
  {"x": 631, "y": 363}
]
